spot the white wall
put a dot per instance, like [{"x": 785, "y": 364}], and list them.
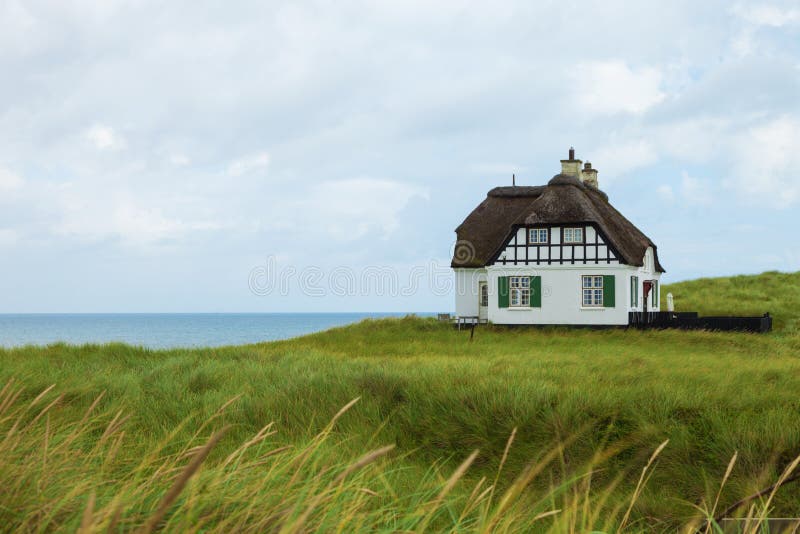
[
  {"x": 561, "y": 296},
  {"x": 646, "y": 272},
  {"x": 466, "y": 291},
  {"x": 561, "y": 293}
]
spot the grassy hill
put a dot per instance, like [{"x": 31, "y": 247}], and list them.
[
  {"x": 773, "y": 292},
  {"x": 586, "y": 410}
]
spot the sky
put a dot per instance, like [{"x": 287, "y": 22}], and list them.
[{"x": 318, "y": 156}]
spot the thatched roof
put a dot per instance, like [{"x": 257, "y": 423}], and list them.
[{"x": 564, "y": 200}]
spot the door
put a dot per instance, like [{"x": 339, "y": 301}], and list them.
[
  {"x": 646, "y": 288},
  {"x": 483, "y": 302}
]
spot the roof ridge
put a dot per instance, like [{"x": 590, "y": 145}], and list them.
[{"x": 489, "y": 226}]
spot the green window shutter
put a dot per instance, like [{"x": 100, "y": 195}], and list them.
[
  {"x": 536, "y": 291},
  {"x": 633, "y": 291},
  {"x": 608, "y": 291},
  {"x": 655, "y": 293},
  {"x": 502, "y": 292}
]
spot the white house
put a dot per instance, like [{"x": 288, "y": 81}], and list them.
[{"x": 558, "y": 254}]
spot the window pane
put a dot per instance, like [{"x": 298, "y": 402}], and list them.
[
  {"x": 598, "y": 297},
  {"x": 587, "y": 297},
  {"x": 587, "y": 281},
  {"x": 598, "y": 281},
  {"x": 543, "y": 236},
  {"x": 525, "y": 298},
  {"x": 579, "y": 234}
]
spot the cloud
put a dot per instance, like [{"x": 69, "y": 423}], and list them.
[
  {"x": 249, "y": 164},
  {"x": 617, "y": 159},
  {"x": 767, "y": 160},
  {"x": 9, "y": 181},
  {"x": 149, "y": 225},
  {"x": 8, "y": 237},
  {"x": 606, "y": 87},
  {"x": 430, "y": 111},
  {"x": 767, "y": 15},
  {"x": 346, "y": 210},
  {"x": 665, "y": 192},
  {"x": 104, "y": 137},
  {"x": 693, "y": 139},
  {"x": 695, "y": 191},
  {"x": 127, "y": 223},
  {"x": 179, "y": 160}
]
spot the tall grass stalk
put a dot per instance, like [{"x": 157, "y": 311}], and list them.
[{"x": 259, "y": 485}]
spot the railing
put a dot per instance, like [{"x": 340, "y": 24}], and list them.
[
  {"x": 691, "y": 320},
  {"x": 466, "y": 320}
]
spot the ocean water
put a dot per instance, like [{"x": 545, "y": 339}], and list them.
[{"x": 168, "y": 330}]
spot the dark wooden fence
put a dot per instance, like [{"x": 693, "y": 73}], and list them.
[{"x": 691, "y": 320}]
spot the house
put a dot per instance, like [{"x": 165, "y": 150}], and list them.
[{"x": 558, "y": 254}]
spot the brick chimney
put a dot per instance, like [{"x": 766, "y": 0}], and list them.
[
  {"x": 589, "y": 175},
  {"x": 571, "y": 166}
]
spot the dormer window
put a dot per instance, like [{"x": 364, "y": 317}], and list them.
[
  {"x": 573, "y": 235},
  {"x": 537, "y": 236}
]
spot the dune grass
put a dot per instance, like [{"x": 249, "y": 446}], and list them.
[
  {"x": 586, "y": 410},
  {"x": 773, "y": 292}
]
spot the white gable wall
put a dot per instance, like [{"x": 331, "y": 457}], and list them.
[
  {"x": 466, "y": 290},
  {"x": 646, "y": 272}
]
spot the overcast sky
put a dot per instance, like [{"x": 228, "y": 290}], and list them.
[{"x": 169, "y": 157}]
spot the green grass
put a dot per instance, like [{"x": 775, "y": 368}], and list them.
[
  {"x": 773, "y": 292},
  {"x": 589, "y": 408}
]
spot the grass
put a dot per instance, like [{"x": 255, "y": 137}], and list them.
[{"x": 586, "y": 409}]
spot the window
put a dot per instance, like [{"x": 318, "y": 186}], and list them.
[
  {"x": 484, "y": 295},
  {"x": 520, "y": 291},
  {"x": 537, "y": 236},
  {"x": 573, "y": 235},
  {"x": 592, "y": 288},
  {"x": 654, "y": 293},
  {"x": 634, "y": 291}
]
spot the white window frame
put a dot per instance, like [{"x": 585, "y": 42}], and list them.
[
  {"x": 519, "y": 291},
  {"x": 571, "y": 235},
  {"x": 538, "y": 232},
  {"x": 592, "y": 291}
]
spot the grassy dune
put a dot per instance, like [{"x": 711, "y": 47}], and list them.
[
  {"x": 774, "y": 292},
  {"x": 586, "y": 410}
]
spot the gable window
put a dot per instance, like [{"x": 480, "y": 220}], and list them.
[
  {"x": 520, "y": 291},
  {"x": 592, "y": 288},
  {"x": 537, "y": 236},
  {"x": 573, "y": 235}
]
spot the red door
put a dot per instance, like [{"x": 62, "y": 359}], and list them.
[{"x": 646, "y": 287}]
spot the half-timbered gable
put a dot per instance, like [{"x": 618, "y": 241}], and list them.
[{"x": 543, "y": 246}]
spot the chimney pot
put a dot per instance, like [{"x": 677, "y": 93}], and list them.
[
  {"x": 572, "y": 153},
  {"x": 589, "y": 175}
]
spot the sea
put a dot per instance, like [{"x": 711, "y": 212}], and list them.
[{"x": 170, "y": 330}]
